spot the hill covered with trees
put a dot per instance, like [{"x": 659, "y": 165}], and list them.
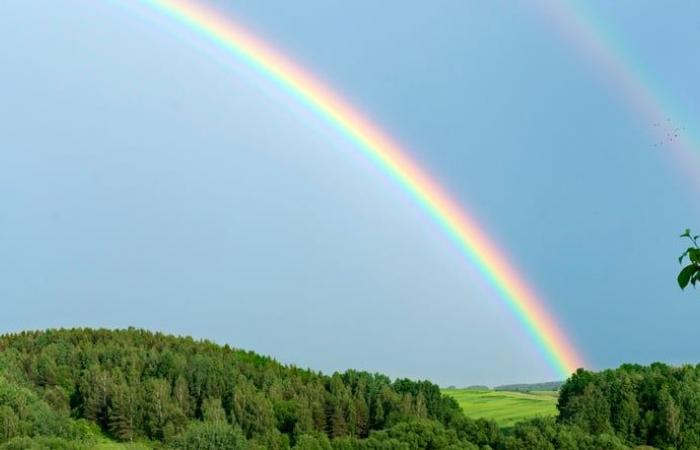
[{"x": 71, "y": 388}]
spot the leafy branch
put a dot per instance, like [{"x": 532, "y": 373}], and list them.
[{"x": 691, "y": 272}]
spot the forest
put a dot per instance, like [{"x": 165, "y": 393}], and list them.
[{"x": 72, "y": 388}]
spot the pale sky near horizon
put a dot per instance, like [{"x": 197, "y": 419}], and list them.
[{"x": 148, "y": 179}]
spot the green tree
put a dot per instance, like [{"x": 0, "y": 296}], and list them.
[
  {"x": 251, "y": 410},
  {"x": 624, "y": 408},
  {"x": 212, "y": 411},
  {"x": 181, "y": 395},
  {"x": 591, "y": 410},
  {"x": 95, "y": 391},
  {"x": 123, "y": 412},
  {"x": 669, "y": 425},
  {"x": 313, "y": 442},
  {"x": 361, "y": 416},
  {"x": 210, "y": 436},
  {"x": 158, "y": 407},
  {"x": 9, "y": 423}
]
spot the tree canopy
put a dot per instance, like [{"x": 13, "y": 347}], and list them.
[{"x": 71, "y": 388}]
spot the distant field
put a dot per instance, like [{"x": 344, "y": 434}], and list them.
[
  {"x": 505, "y": 407},
  {"x": 106, "y": 444}
]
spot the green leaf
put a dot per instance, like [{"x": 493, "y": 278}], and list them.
[
  {"x": 686, "y": 233},
  {"x": 680, "y": 258},
  {"x": 694, "y": 255},
  {"x": 686, "y": 273}
]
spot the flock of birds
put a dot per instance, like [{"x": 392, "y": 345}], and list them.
[{"x": 669, "y": 132}]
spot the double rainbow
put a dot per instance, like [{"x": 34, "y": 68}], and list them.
[{"x": 386, "y": 154}]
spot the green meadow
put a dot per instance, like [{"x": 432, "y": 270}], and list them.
[
  {"x": 505, "y": 407},
  {"x": 107, "y": 444},
  {"x": 111, "y": 445}
]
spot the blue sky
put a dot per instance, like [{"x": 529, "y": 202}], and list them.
[{"x": 147, "y": 179}]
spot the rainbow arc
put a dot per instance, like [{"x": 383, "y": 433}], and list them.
[{"x": 394, "y": 161}]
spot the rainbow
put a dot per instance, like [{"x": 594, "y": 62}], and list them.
[
  {"x": 631, "y": 81},
  {"x": 386, "y": 154}
]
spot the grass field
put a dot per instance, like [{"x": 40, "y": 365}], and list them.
[
  {"x": 107, "y": 444},
  {"x": 120, "y": 446},
  {"x": 505, "y": 407}
]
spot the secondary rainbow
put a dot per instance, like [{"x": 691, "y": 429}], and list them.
[
  {"x": 385, "y": 153},
  {"x": 645, "y": 97}
]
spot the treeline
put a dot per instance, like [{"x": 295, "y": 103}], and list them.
[
  {"x": 133, "y": 385},
  {"x": 70, "y": 388},
  {"x": 547, "y": 386}
]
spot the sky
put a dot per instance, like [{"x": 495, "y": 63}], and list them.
[{"x": 149, "y": 179}]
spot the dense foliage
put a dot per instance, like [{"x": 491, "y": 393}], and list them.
[
  {"x": 71, "y": 388},
  {"x": 136, "y": 385},
  {"x": 655, "y": 405}
]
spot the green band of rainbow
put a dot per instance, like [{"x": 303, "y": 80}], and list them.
[{"x": 387, "y": 155}]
